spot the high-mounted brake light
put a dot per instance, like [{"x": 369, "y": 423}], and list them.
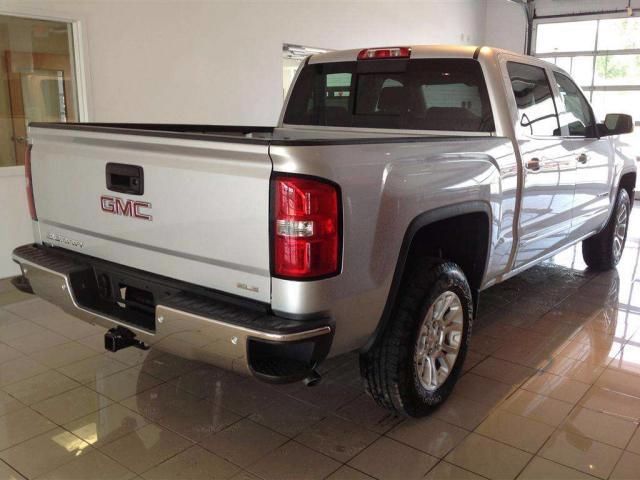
[
  {"x": 390, "y": 52},
  {"x": 306, "y": 229},
  {"x": 29, "y": 182}
]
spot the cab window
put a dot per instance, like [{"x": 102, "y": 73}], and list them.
[
  {"x": 534, "y": 99},
  {"x": 420, "y": 94},
  {"x": 574, "y": 113}
]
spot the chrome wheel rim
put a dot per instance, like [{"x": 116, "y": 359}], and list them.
[
  {"x": 620, "y": 230},
  {"x": 439, "y": 341}
]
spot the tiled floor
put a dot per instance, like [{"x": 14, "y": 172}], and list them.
[{"x": 551, "y": 390}]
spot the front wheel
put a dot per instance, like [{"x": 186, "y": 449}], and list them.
[
  {"x": 417, "y": 358},
  {"x": 603, "y": 250}
]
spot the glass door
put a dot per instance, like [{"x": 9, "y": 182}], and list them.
[{"x": 37, "y": 80}]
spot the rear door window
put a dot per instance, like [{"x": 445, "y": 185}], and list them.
[{"x": 420, "y": 94}]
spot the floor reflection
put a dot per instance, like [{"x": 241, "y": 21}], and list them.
[{"x": 551, "y": 389}]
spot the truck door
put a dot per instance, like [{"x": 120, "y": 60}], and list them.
[
  {"x": 594, "y": 157},
  {"x": 548, "y": 179}
]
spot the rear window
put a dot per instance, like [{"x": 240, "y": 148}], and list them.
[{"x": 422, "y": 94}]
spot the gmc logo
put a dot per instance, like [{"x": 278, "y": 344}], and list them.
[{"x": 126, "y": 208}]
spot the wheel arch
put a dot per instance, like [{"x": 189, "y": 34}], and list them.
[
  {"x": 628, "y": 182},
  {"x": 451, "y": 223}
]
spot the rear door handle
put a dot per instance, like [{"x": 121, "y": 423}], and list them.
[
  {"x": 125, "y": 178},
  {"x": 583, "y": 158},
  {"x": 533, "y": 164}
]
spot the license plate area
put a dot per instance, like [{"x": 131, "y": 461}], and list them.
[{"x": 120, "y": 295}]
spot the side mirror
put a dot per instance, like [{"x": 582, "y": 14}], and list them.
[{"x": 615, "y": 124}]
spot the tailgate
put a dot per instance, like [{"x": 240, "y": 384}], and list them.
[{"x": 207, "y": 203}]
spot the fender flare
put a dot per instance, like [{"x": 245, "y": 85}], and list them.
[{"x": 423, "y": 220}]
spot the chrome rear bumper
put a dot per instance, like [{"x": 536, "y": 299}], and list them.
[{"x": 224, "y": 335}]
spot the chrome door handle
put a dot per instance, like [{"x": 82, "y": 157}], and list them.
[
  {"x": 19, "y": 139},
  {"x": 582, "y": 158},
  {"x": 533, "y": 164}
]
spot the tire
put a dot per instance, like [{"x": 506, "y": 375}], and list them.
[
  {"x": 603, "y": 250},
  {"x": 392, "y": 371}
]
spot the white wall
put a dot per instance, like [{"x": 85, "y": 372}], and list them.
[
  {"x": 505, "y": 25},
  {"x": 217, "y": 62},
  {"x": 15, "y": 223}
]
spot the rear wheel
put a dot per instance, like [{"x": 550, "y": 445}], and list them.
[
  {"x": 418, "y": 357},
  {"x": 603, "y": 250}
]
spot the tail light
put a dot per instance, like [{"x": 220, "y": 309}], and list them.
[
  {"x": 378, "y": 53},
  {"x": 29, "y": 182},
  {"x": 306, "y": 228}
]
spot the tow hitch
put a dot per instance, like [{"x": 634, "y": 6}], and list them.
[{"x": 119, "y": 337}]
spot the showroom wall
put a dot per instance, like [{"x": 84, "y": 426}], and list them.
[
  {"x": 220, "y": 61},
  {"x": 216, "y": 62},
  {"x": 505, "y": 25}
]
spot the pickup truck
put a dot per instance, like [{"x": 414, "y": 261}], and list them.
[{"x": 399, "y": 183}]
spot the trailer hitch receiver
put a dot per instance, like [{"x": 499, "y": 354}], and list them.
[{"x": 119, "y": 337}]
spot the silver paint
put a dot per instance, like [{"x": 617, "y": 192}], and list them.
[{"x": 211, "y": 199}]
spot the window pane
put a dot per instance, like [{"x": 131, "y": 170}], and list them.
[
  {"x": 338, "y": 91},
  {"x": 289, "y": 69},
  {"x": 423, "y": 94},
  {"x": 564, "y": 62},
  {"x": 616, "y": 102},
  {"x": 536, "y": 110},
  {"x": 452, "y": 96},
  {"x": 37, "y": 80},
  {"x": 619, "y": 33},
  {"x": 566, "y": 37},
  {"x": 573, "y": 110},
  {"x": 620, "y": 102},
  {"x": 582, "y": 70},
  {"x": 617, "y": 70}
]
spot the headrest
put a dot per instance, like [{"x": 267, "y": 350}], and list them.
[{"x": 392, "y": 100}]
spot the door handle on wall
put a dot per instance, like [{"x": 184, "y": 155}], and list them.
[
  {"x": 582, "y": 158},
  {"x": 533, "y": 164}
]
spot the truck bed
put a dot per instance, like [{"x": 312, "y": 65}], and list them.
[
  {"x": 260, "y": 135},
  {"x": 204, "y": 209}
]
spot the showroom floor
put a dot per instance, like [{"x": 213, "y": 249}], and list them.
[{"x": 551, "y": 390}]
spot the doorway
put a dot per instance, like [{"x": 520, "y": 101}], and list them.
[
  {"x": 292, "y": 57},
  {"x": 37, "y": 80}
]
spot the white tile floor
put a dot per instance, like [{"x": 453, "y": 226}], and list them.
[{"x": 551, "y": 390}]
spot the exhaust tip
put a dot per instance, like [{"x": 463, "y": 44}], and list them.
[{"x": 313, "y": 379}]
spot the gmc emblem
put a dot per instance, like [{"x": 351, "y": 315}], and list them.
[{"x": 126, "y": 208}]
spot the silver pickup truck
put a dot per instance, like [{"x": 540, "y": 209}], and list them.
[{"x": 399, "y": 183}]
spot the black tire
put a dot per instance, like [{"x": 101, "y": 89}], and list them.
[
  {"x": 598, "y": 251},
  {"x": 389, "y": 370}
]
